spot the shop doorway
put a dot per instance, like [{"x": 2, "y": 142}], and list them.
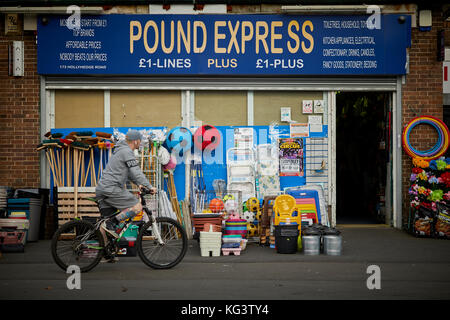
[{"x": 363, "y": 144}]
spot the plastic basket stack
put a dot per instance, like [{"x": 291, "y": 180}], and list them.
[
  {"x": 233, "y": 244},
  {"x": 210, "y": 243}
]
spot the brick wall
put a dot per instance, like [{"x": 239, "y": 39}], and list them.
[
  {"x": 422, "y": 94},
  {"x": 19, "y": 115}
]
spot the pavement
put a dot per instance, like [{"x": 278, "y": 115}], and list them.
[{"x": 406, "y": 267}]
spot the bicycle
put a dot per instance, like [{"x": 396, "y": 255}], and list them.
[{"x": 161, "y": 242}]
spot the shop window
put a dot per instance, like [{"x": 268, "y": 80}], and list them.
[
  {"x": 268, "y": 104},
  {"x": 135, "y": 108},
  {"x": 221, "y": 108},
  {"x": 79, "y": 108}
]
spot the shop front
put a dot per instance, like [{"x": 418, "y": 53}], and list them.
[{"x": 275, "y": 94}]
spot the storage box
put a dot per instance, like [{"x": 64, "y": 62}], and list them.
[
  {"x": 127, "y": 247},
  {"x": 16, "y": 224},
  {"x": 12, "y": 240},
  {"x": 21, "y": 224}
]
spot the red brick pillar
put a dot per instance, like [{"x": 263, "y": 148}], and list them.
[
  {"x": 421, "y": 94},
  {"x": 19, "y": 115}
]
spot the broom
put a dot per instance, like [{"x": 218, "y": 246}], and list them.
[
  {"x": 50, "y": 144},
  {"x": 91, "y": 142},
  {"x": 65, "y": 160},
  {"x": 79, "y": 149},
  {"x": 83, "y": 134},
  {"x": 104, "y": 135}
]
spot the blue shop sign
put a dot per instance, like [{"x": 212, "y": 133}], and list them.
[{"x": 256, "y": 45}]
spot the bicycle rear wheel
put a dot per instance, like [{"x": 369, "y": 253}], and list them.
[
  {"x": 168, "y": 254},
  {"x": 77, "y": 243}
]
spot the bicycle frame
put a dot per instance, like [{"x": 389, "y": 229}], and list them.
[{"x": 147, "y": 216}]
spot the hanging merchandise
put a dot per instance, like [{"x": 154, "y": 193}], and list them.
[
  {"x": 439, "y": 149},
  {"x": 241, "y": 172},
  {"x": 163, "y": 156},
  {"x": 267, "y": 178},
  {"x": 220, "y": 187},
  {"x": 171, "y": 164},
  {"x": 291, "y": 157},
  {"x": 206, "y": 137},
  {"x": 243, "y": 138},
  {"x": 179, "y": 141}
]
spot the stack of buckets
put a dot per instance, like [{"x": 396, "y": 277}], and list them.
[{"x": 317, "y": 238}]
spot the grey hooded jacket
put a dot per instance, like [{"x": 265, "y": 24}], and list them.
[{"x": 122, "y": 166}]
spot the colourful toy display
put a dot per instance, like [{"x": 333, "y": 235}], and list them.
[{"x": 439, "y": 149}]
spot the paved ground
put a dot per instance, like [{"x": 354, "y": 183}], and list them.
[{"x": 410, "y": 268}]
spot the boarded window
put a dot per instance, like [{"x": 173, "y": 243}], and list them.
[
  {"x": 268, "y": 104},
  {"x": 79, "y": 108},
  {"x": 221, "y": 108},
  {"x": 133, "y": 108}
]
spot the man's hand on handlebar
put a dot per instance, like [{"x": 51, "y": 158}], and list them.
[{"x": 148, "y": 190}]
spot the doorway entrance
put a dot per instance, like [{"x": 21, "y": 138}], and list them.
[{"x": 363, "y": 152}]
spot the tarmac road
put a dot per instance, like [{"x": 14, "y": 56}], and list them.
[{"x": 410, "y": 268}]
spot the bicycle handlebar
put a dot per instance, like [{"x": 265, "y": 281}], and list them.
[{"x": 145, "y": 190}]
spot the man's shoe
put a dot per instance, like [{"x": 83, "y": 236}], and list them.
[{"x": 109, "y": 259}]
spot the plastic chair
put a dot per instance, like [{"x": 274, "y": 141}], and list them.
[{"x": 285, "y": 211}]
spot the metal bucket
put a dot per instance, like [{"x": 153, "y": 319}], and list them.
[
  {"x": 332, "y": 245},
  {"x": 311, "y": 245}
]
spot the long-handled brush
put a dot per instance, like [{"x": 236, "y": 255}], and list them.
[
  {"x": 49, "y": 145},
  {"x": 91, "y": 142},
  {"x": 79, "y": 149}
]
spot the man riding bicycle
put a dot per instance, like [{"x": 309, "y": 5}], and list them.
[{"x": 111, "y": 190}]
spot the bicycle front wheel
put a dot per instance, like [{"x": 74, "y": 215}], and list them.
[
  {"x": 162, "y": 255},
  {"x": 77, "y": 243}
]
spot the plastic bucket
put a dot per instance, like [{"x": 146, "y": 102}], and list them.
[
  {"x": 332, "y": 245},
  {"x": 311, "y": 245}
]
